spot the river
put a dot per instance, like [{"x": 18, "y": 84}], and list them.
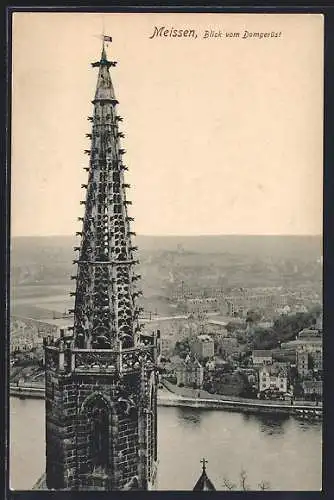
[{"x": 283, "y": 451}]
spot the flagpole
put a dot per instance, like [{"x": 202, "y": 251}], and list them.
[
  {"x": 103, "y": 26},
  {"x": 103, "y": 34}
]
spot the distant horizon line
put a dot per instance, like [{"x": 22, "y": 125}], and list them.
[{"x": 319, "y": 235}]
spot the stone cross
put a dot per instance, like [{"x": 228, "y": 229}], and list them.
[{"x": 204, "y": 462}]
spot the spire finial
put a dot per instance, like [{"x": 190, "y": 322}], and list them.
[
  {"x": 103, "y": 53},
  {"x": 204, "y": 462},
  {"x": 105, "y": 39},
  {"x": 103, "y": 56}
]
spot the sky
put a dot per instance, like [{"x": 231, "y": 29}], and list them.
[{"x": 224, "y": 135}]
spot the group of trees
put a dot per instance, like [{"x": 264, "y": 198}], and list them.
[
  {"x": 182, "y": 348},
  {"x": 223, "y": 382},
  {"x": 285, "y": 328},
  {"x": 243, "y": 484},
  {"x": 253, "y": 316}
]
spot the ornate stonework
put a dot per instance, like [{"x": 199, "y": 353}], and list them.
[{"x": 101, "y": 381}]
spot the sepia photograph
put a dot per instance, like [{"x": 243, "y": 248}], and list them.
[{"x": 166, "y": 256}]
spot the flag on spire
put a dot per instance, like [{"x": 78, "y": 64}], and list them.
[{"x": 107, "y": 38}]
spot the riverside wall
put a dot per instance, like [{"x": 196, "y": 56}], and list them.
[{"x": 238, "y": 404}]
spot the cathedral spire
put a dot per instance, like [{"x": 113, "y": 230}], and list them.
[
  {"x": 105, "y": 306},
  {"x": 101, "y": 381}
]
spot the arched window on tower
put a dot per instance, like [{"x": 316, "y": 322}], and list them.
[
  {"x": 96, "y": 413},
  {"x": 99, "y": 442}
]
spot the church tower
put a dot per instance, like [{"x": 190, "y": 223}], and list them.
[
  {"x": 101, "y": 379},
  {"x": 204, "y": 483}
]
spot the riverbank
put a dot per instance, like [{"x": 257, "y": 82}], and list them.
[
  {"x": 195, "y": 398},
  {"x": 189, "y": 393},
  {"x": 243, "y": 406},
  {"x": 22, "y": 391},
  {"x": 169, "y": 399}
]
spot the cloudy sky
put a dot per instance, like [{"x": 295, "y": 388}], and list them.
[{"x": 223, "y": 135}]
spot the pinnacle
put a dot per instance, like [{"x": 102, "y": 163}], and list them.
[{"x": 104, "y": 87}]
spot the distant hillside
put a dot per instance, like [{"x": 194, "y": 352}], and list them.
[
  {"x": 308, "y": 247},
  {"x": 27, "y": 250},
  {"x": 167, "y": 260}
]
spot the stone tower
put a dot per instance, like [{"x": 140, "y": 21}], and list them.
[{"x": 101, "y": 379}]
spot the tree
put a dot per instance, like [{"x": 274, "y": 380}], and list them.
[
  {"x": 253, "y": 316},
  {"x": 265, "y": 339},
  {"x": 264, "y": 485},
  {"x": 243, "y": 480},
  {"x": 229, "y": 485},
  {"x": 316, "y": 310},
  {"x": 182, "y": 348},
  {"x": 287, "y": 327},
  {"x": 232, "y": 326},
  {"x": 244, "y": 486},
  {"x": 298, "y": 390}
]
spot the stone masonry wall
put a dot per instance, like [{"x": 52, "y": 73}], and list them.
[
  {"x": 127, "y": 448},
  {"x": 67, "y": 432}
]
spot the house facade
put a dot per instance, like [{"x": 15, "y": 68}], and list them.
[
  {"x": 190, "y": 373},
  {"x": 312, "y": 388},
  {"x": 273, "y": 378},
  {"x": 203, "y": 347},
  {"x": 302, "y": 362},
  {"x": 262, "y": 357}
]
